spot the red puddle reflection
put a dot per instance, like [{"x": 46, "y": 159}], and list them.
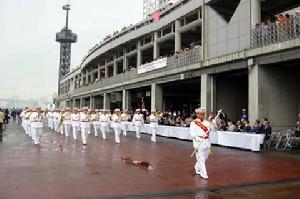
[{"x": 139, "y": 164}]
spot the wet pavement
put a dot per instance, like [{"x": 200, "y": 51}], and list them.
[{"x": 61, "y": 168}]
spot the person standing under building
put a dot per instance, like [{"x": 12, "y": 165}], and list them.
[
  {"x": 75, "y": 117},
  {"x": 116, "y": 118},
  {"x": 153, "y": 125},
  {"x": 85, "y": 124},
  {"x": 124, "y": 122},
  {"x": 138, "y": 121},
  {"x": 2, "y": 117},
  {"x": 36, "y": 123},
  {"x": 199, "y": 132}
]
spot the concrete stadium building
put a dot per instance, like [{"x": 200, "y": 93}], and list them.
[{"x": 199, "y": 53}]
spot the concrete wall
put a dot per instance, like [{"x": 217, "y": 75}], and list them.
[
  {"x": 224, "y": 38},
  {"x": 279, "y": 96},
  {"x": 232, "y": 95}
]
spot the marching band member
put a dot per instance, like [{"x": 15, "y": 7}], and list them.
[
  {"x": 138, "y": 121},
  {"x": 75, "y": 117},
  {"x": 90, "y": 123},
  {"x": 85, "y": 124},
  {"x": 48, "y": 115},
  {"x": 52, "y": 123},
  {"x": 22, "y": 115},
  {"x": 61, "y": 122},
  {"x": 36, "y": 122},
  {"x": 199, "y": 131},
  {"x": 153, "y": 125},
  {"x": 27, "y": 122},
  {"x": 105, "y": 121},
  {"x": 124, "y": 122},
  {"x": 116, "y": 118},
  {"x": 67, "y": 122},
  {"x": 95, "y": 121},
  {"x": 56, "y": 118}
]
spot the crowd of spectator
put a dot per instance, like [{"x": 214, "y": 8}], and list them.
[{"x": 276, "y": 28}]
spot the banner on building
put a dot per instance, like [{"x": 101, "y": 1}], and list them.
[{"x": 160, "y": 63}]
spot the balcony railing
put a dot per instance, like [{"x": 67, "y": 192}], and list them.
[
  {"x": 266, "y": 34},
  {"x": 184, "y": 58}
]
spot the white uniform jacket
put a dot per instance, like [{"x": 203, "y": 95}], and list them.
[
  {"x": 199, "y": 131},
  {"x": 138, "y": 120}
]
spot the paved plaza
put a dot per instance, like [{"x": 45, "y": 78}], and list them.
[{"x": 62, "y": 168}]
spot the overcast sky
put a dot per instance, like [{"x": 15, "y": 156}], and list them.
[{"x": 29, "y": 55}]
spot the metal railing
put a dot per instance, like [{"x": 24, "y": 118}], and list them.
[
  {"x": 267, "y": 34},
  {"x": 185, "y": 58}
]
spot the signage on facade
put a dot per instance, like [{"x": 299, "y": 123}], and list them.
[{"x": 160, "y": 63}]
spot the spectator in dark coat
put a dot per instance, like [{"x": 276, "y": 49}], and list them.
[{"x": 256, "y": 127}]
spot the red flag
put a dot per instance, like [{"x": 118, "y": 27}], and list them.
[{"x": 156, "y": 16}]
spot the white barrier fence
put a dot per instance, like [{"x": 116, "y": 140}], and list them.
[{"x": 231, "y": 139}]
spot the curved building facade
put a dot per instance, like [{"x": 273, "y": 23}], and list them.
[{"x": 207, "y": 53}]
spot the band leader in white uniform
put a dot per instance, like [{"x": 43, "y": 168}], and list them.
[{"x": 199, "y": 131}]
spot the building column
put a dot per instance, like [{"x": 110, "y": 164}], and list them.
[
  {"x": 124, "y": 60},
  {"x": 81, "y": 103},
  {"x": 74, "y": 104},
  {"x": 92, "y": 77},
  {"x": 253, "y": 96},
  {"x": 156, "y": 97},
  {"x": 86, "y": 78},
  {"x": 208, "y": 92},
  {"x": 98, "y": 71},
  {"x": 177, "y": 36},
  {"x": 204, "y": 30},
  {"x": 91, "y": 102},
  {"x": 115, "y": 65},
  {"x": 126, "y": 100},
  {"x": 156, "y": 49},
  {"x": 81, "y": 79},
  {"x": 255, "y": 12},
  {"x": 106, "y": 69},
  {"x": 139, "y": 53},
  {"x": 106, "y": 101}
]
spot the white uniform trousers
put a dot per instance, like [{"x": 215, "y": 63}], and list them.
[
  {"x": 36, "y": 134},
  {"x": 96, "y": 128},
  {"x": 117, "y": 129},
  {"x": 85, "y": 128},
  {"x": 49, "y": 122},
  {"x": 104, "y": 129},
  {"x": 61, "y": 129},
  {"x": 56, "y": 126},
  {"x": 26, "y": 127},
  {"x": 76, "y": 128},
  {"x": 200, "y": 167},
  {"x": 138, "y": 131},
  {"x": 68, "y": 129},
  {"x": 153, "y": 131},
  {"x": 52, "y": 124},
  {"x": 124, "y": 128}
]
